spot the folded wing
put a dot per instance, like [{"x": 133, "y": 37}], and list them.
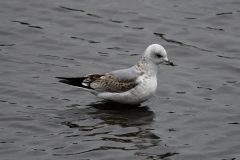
[{"x": 108, "y": 82}]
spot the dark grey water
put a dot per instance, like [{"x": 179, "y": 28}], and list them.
[{"x": 195, "y": 114}]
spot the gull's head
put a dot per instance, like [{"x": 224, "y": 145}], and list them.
[{"x": 156, "y": 54}]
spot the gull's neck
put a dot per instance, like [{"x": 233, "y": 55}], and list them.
[{"x": 145, "y": 66}]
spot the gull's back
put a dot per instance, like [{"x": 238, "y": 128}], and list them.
[{"x": 126, "y": 74}]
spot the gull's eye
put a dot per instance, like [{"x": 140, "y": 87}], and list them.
[{"x": 159, "y": 56}]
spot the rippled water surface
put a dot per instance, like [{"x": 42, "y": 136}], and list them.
[{"x": 195, "y": 114}]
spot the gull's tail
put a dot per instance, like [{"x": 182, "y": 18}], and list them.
[
  {"x": 73, "y": 81},
  {"x": 76, "y": 81}
]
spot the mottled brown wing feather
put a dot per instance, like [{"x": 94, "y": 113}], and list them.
[{"x": 108, "y": 83}]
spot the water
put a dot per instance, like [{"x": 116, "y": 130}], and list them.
[{"x": 194, "y": 115}]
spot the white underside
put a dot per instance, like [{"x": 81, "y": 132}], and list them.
[{"x": 145, "y": 89}]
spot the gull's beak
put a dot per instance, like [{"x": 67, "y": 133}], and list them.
[{"x": 168, "y": 62}]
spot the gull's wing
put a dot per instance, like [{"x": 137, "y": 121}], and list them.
[{"x": 117, "y": 81}]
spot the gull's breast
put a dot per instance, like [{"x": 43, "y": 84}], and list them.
[{"x": 146, "y": 88}]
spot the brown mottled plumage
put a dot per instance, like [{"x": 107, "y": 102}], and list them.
[{"x": 107, "y": 82}]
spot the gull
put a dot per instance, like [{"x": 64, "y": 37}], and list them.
[{"x": 133, "y": 85}]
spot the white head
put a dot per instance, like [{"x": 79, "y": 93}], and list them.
[{"x": 156, "y": 54}]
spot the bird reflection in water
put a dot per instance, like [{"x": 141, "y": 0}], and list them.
[
  {"x": 112, "y": 126},
  {"x": 123, "y": 115},
  {"x": 114, "y": 122}
]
